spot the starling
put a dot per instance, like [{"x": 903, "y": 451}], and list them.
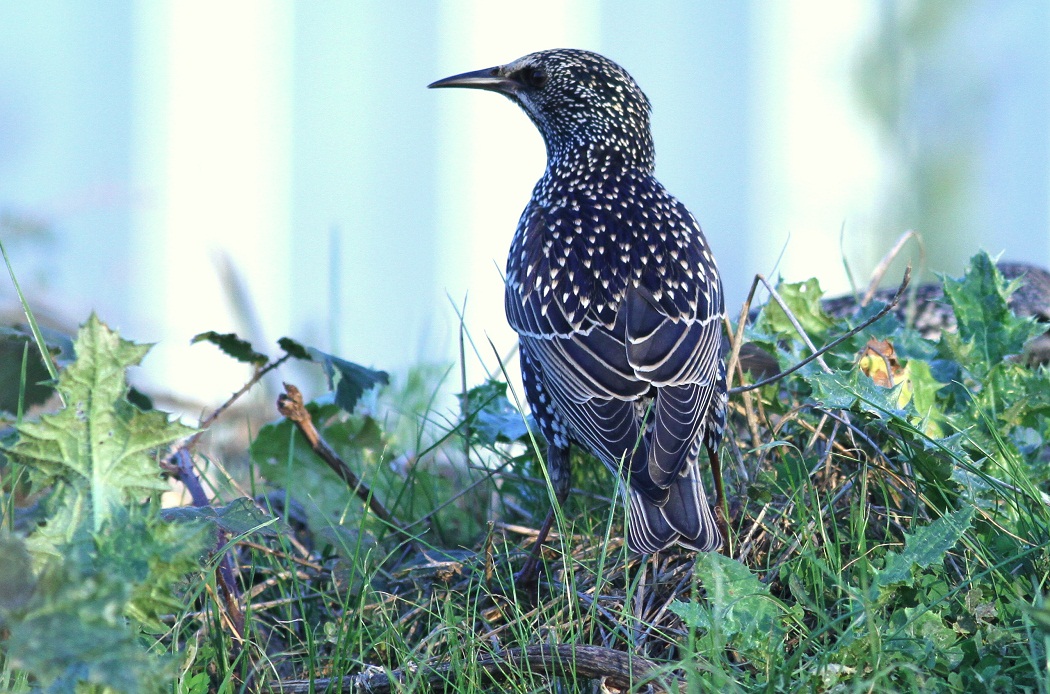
[{"x": 616, "y": 299}]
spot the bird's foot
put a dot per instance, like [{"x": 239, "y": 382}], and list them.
[{"x": 528, "y": 576}]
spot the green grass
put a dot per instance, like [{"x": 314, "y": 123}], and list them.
[{"x": 882, "y": 539}]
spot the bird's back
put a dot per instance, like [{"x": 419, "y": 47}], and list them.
[
  {"x": 582, "y": 242},
  {"x": 612, "y": 287}
]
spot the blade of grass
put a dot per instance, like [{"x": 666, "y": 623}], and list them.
[{"x": 37, "y": 336}]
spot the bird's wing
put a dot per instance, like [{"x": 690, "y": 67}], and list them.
[
  {"x": 682, "y": 358},
  {"x": 597, "y": 402},
  {"x": 660, "y": 348},
  {"x": 596, "y": 378}
]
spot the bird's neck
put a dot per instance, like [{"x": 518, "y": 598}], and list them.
[{"x": 568, "y": 160}]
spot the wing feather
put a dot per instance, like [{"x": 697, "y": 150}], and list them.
[{"x": 631, "y": 359}]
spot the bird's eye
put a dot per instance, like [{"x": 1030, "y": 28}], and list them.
[{"x": 533, "y": 77}]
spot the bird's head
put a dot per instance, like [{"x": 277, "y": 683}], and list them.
[{"x": 579, "y": 100}]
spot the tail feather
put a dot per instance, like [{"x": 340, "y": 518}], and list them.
[{"x": 684, "y": 519}]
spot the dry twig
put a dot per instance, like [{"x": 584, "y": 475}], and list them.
[
  {"x": 290, "y": 404},
  {"x": 618, "y": 669}
]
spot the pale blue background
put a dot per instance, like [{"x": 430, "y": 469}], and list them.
[{"x": 364, "y": 161}]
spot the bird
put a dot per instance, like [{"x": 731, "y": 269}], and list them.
[{"x": 617, "y": 301}]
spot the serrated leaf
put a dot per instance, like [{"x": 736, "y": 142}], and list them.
[
  {"x": 988, "y": 329},
  {"x": 152, "y": 557},
  {"x": 63, "y": 648},
  {"x": 803, "y": 299},
  {"x": 927, "y": 640},
  {"x": 347, "y": 379},
  {"x": 925, "y": 546},
  {"x": 925, "y": 388},
  {"x": 843, "y": 390},
  {"x": 294, "y": 349},
  {"x": 233, "y": 346},
  {"x": 492, "y": 417},
  {"x": 739, "y": 608},
  {"x": 75, "y": 632},
  {"x": 99, "y": 450},
  {"x": 736, "y": 595},
  {"x": 239, "y": 517},
  {"x": 84, "y": 620}
]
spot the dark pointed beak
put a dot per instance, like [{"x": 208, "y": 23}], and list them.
[{"x": 490, "y": 79}]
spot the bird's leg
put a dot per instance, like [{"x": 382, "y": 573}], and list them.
[
  {"x": 558, "y": 469},
  {"x": 720, "y": 510},
  {"x": 529, "y": 573}
]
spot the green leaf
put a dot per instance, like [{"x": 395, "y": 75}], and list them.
[
  {"x": 348, "y": 380},
  {"x": 927, "y": 640},
  {"x": 842, "y": 390},
  {"x": 924, "y": 397},
  {"x": 988, "y": 330},
  {"x": 927, "y": 545},
  {"x": 239, "y": 517},
  {"x": 151, "y": 556},
  {"x": 81, "y": 590},
  {"x": 294, "y": 349},
  {"x": 803, "y": 299},
  {"x": 71, "y": 641},
  {"x": 492, "y": 417},
  {"x": 232, "y": 346},
  {"x": 284, "y": 458},
  {"x": 84, "y": 619},
  {"x": 99, "y": 451},
  {"x": 739, "y": 611}
]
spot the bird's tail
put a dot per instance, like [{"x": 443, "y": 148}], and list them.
[{"x": 685, "y": 518}]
